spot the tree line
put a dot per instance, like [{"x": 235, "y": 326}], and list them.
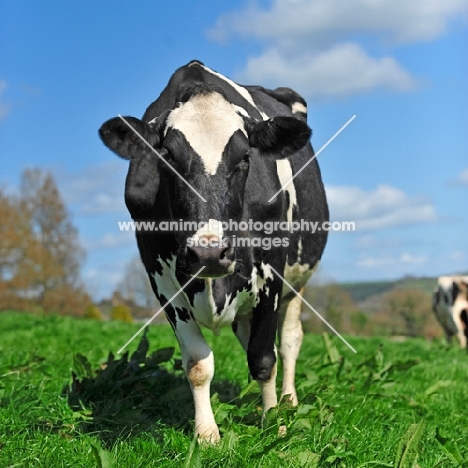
[{"x": 41, "y": 260}]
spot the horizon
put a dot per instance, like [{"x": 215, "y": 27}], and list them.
[{"x": 399, "y": 170}]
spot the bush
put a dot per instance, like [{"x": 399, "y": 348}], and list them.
[
  {"x": 121, "y": 312},
  {"x": 93, "y": 312}
]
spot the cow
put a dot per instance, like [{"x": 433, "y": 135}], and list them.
[
  {"x": 450, "y": 306},
  {"x": 213, "y": 153}
]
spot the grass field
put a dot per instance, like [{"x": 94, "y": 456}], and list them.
[{"x": 378, "y": 408}]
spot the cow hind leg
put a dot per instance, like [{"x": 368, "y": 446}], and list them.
[
  {"x": 290, "y": 341},
  {"x": 198, "y": 363}
]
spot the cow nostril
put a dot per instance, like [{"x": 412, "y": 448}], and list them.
[
  {"x": 192, "y": 256},
  {"x": 227, "y": 250}
]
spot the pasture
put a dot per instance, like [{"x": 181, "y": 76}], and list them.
[{"x": 378, "y": 408}]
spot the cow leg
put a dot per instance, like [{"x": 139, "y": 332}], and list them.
[
  {"x": 290, "y": 341},
  {"x": 242, "y": 330},
  {"x": 461, "y": 326},
  {"x": 464, "y": 319},
  {"x": 198, "y": 363}
]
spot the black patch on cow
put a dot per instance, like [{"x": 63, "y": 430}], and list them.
[
  {"x": 168, "y": 310},
  {"x": 183, "y": 314},
  {"x": 455, "y": 291},
  {"x": 279, "y": 136},
  {"x": 435, "y": 299}
]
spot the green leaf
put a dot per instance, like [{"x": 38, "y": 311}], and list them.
[
  {"x": 251, "y": 388},
  {"x": 139, "y": 355},
  {"x": 81, "y": 366},
  {"x": 193, "y": 459},
  {"x": 450, "y": 448},
  {"x": 407, "y": 452},
  {"x": 161, "y": 355},
  {"x": 308, "y": 459},
  {"x": 103, "y": 458},
  {"x": 332, "y": 351},
  {"x": 437, "y": 386}
]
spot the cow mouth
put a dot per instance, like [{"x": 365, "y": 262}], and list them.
[
  {"x": 205, "y": 268},
  {"x": 211, "y": 261}
]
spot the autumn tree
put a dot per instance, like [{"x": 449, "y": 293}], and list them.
[
  {"x": 334, "y": 304},
  {"x": 135, "y": 285},
  {"x": 406, "y": 312},
  {"x": 40, "y": 256}
]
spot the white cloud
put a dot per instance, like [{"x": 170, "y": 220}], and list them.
[
  {"x": 4, "y": 106},
  {"x": 97, "y": 189},
  {"x": 461, "y": 179},
  {"x": 110, "y": 241},
  {"x": 381, "y": 208},
  {"x": 341, "y": 70},
  {"x": 306, "y": 22},
  {"x": 315, "y": 46}
]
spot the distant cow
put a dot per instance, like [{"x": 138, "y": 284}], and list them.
[
  {"x": 450, "y": 306},
  {"x": 234, "y": 146}
]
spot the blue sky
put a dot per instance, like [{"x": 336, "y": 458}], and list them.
[{"x": 399, "y": 170}]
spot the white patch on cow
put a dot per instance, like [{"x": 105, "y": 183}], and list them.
[
  {"x": 298, "y": 107},
  {"x": 285, "y": 174},
  {"x": 241, "y": 110},
  {"x": 297, "y": 275},
  {"x": 167, "y": 283},
  {"x": 276, "y": 301},
  {"x": 207, "y": 122},
  {"x": 267, "y": 274},
  {"x": 205, "y": 313},
  {"x": 242, "y": 91},
  {"x": 299, "y": 249}
]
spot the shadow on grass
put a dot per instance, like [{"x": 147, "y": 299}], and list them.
[{"x": 131, "y": 395}]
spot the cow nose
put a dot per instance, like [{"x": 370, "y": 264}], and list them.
[{"x": 216, "y": 255}]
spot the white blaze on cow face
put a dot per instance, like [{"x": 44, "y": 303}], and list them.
[
  {"x": 207, "y": 121},
  {"x": 242, "y": 91}
]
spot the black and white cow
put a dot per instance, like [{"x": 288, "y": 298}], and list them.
[
  {"x": 235, "y": 146},
  {"x": 450, "y": 306}
]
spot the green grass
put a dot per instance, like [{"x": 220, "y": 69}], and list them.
[{"x": 380, "y": 407}]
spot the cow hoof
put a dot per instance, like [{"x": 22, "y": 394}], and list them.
[
  {"x": 208, "y": 435},
  {"x": 282, "y": 431}
]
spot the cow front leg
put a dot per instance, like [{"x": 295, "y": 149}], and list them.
[
  {"x": 290, "y": 342},
  {"x": 242, "y": 329},
  {"x": 198, "y": 364},
  {"x": 261, "y": 350}
]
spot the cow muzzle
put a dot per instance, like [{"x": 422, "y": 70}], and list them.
[{"x": 215, "y": 254}]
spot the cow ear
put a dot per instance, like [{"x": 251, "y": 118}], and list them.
[
  {"x": 129, "y": 137},
  {"x": 280, "y": 136}
]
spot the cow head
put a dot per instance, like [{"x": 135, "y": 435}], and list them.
[{"x": 203, "y": 149}]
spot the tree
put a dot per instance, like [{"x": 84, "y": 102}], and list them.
[
  {"x": 40, "y": 256},
  {"x": 334, "y": 303},
  {"x": 407, "y": 312},
  {"x": 135, "y": 285}
]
